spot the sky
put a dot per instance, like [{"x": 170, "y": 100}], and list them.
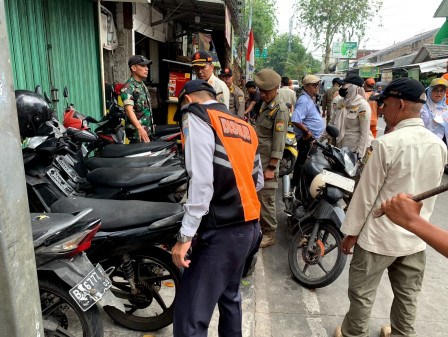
[{"x": 401, "y": 19}]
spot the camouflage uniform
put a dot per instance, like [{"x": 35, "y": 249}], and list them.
[{"x": 137, "y": 94}]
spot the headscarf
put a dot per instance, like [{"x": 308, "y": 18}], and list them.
[
  {"x": 355, "y": 96},
  {"x": 436, "y": 109}
]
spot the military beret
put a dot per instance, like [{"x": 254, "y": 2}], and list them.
[{"x": 267, "y": 79}]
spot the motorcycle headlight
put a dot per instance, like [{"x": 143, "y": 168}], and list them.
[{"x": 290, "y": 141}]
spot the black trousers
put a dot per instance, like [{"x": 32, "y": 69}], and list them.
[
  {"x": 214, "y": 277},
  {"x": 304, "y": 149}
]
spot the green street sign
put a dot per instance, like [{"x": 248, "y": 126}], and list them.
[
  {"x": 263, "y": 54},
  {"x": 367, "y": 72}
]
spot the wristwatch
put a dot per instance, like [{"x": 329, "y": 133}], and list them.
[
  {"x": 183, "y": 238},
  {"x": 272, "y": 167}
]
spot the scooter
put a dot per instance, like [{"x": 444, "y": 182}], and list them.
[
  {"x": 315, "y": 214},
  {"x": 290, "y": 153},
  {"x": 70, "y": 286}
]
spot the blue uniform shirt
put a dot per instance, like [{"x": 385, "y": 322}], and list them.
[{"x": 307, "y": 113}]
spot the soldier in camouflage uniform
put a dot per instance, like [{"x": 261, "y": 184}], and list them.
[
  {"x": 137, "y": 101},
  {"x": 271, "y": 130}
]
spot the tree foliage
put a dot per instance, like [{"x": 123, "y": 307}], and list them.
[
  {"x": 325, "y": 19},
  {"x": 294, "y": 64},
  {"x": 264, "y": 20}
]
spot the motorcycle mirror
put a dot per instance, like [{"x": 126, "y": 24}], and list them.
[
  {"x": 332, "y": 131},
  {"x": 46, "y": 98},
  {"x": 37, "y": 90},
  {"x": 65, "y": 92}
]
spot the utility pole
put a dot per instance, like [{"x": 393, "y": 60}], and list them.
[
  {"x": 20, "y": 314},
  {"x": 290, "y": 35}
]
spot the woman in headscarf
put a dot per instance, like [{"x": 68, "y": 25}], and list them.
[
  {"x": 435, "y": 111},
  {"x": 352, "y": 116}
]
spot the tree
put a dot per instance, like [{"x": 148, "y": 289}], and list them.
[
  {"x": 325, "y": 19},
  {"x": 264, "y": 21},
  {"x": 294, "y": 64}
]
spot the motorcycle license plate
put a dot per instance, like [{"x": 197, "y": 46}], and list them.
[
  {"x": 337, "y": 180},
  {"x": 91, "y": 289}
]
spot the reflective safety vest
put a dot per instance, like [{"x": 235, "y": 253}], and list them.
[{"x": 235, "y": 167}]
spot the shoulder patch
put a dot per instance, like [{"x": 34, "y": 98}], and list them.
[
  {"x": 220, "y": 98},
  {"x": 362, "y": 115},
  {"x": 280, "y": 125},
  {"x": 241, "y": 99}
]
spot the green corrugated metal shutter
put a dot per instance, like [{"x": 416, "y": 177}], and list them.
[{"x": 55, "y": 43}]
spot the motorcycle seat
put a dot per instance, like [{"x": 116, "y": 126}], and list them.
[
  {"x": 162, "y": 130},
  {"x": 42, "y": 224},
  {"x": 98, "y": 162},
  {"x": 128, "y": 177},
  {"x": 123, "y": 150},
  {"x": 119, "y": 214}
]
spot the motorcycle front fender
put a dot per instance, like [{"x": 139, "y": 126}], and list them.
[
  {"x": 332, "y": 212},
  {"x": 292, "y": 149},
  {"x": 72, "y": 271}
]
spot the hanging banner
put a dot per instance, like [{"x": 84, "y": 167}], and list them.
[
  {"x": 386, "y": 76},
  {"x": 345, "y": 50},
  {"x": 369, "y": 72},
  {"x": 414, "y": 73}
]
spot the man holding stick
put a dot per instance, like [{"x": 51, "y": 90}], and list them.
[{"x": 410, "y": 158}]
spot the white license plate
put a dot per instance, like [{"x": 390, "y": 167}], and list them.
[
  {"x": 337, "y": 180},
  {"x": 91, "y": 289}
]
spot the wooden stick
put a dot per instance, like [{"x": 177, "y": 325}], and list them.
[{"x": 419, "y": 197}]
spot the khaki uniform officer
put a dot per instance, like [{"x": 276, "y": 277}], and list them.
[
  {"x": 271, "y": 129},
  {"x": 236, "y": 100},
  {"x": 203, "y": 67}
]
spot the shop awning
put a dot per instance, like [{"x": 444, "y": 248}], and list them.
[{"x": 435, "y": 66}]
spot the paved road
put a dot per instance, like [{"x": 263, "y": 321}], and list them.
[{"x": 275, "y": 305}]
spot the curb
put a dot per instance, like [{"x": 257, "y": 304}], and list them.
[{"x": 262, "y": 319}]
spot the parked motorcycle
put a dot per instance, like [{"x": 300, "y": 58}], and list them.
[
  {"x": 290, "y": 153},
  {"x": 69, "y": 285},
  {"x": 128, "y": 246},
  {"x": 315, "y": 215}
]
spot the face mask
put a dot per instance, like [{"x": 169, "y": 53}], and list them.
[{"x": 343, "y": 92}]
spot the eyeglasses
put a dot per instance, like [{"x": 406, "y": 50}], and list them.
[
  {"x": 439, "y": 90},
  {"x": 315, "y": 85}
]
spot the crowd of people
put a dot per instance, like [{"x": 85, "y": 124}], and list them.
[{"x": 233, "y": 141}]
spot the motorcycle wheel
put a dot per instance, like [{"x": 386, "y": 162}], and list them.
[
  {"x": 157, "y": 281},
  {"x": 286, "y": 163},
  {"x": 325, "y": 264},
  {"x": 61, "y": 315}
]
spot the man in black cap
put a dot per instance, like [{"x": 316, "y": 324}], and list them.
[
  {"x": 202, "y": 63},
  {"x": 328, "y": 97},
  {"x": 222, "y": 162},
  {"x": 236, "y": 100},
  {"x": 409, "y": 159},
  {"x": 137, "y": 101},
  {"x": 254, "y": 101}
]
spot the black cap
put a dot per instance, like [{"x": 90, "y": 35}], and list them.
[
  {"x": 354, "y": 79},
  {"x": 200, "y": 58},
  {"x": 138, "y": 59},
  {"x": 285, "y": 80},
  {"x": 190, "y": 87},
  {"x": 405, "y": 88},
  {"x": 337, "y": 80},
  {"x": 250, "y": 84},
  {"x": 226, "y": 72}
]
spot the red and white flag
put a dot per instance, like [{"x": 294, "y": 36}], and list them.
[{"x": 250, "y": 57}]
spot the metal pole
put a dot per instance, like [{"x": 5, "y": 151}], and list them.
[{"x": 20, "y": 313}]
